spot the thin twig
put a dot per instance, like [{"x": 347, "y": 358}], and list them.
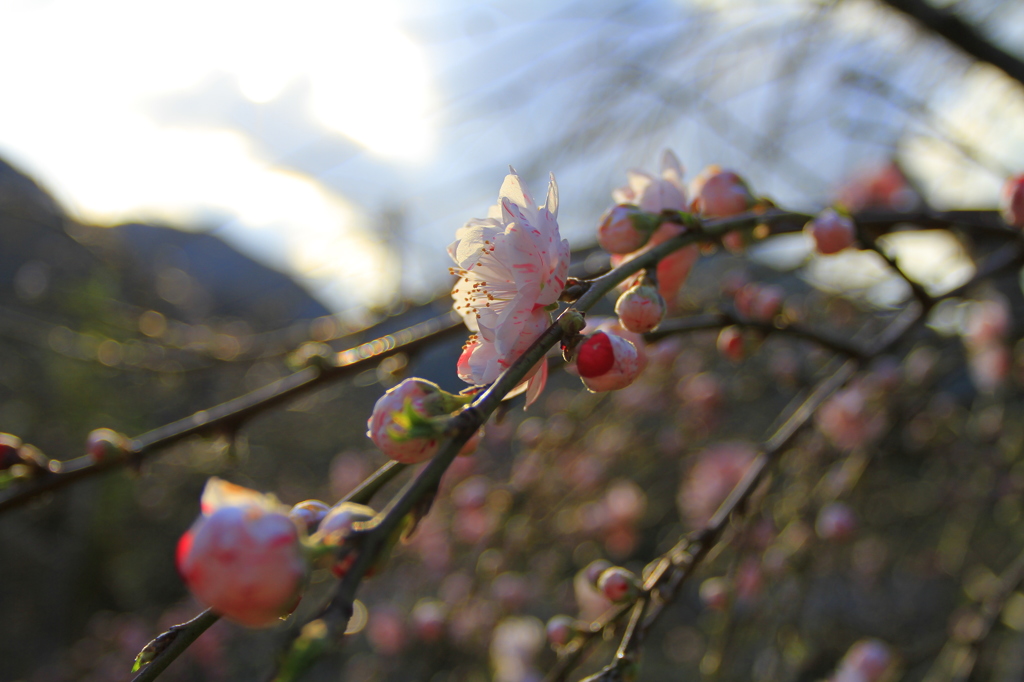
[
  {"x": 228, "y": 417},
  {"x": 181, "y": 637}
]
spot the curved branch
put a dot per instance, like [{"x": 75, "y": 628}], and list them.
[{"x": 961, "y": 34}]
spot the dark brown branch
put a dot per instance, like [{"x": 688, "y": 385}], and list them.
[
  {"x": 961, "y": 34},
  {"x": 228, "y": 417}
]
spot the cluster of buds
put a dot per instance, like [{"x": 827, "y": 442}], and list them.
[
  {"x": 409, "y": 420},
  {"x": 247, "y": 556}
]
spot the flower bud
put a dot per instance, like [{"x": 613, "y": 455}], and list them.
[
  {"x": 607, "y": 362},
  {"x": 865, "y": 661},
  {"x": 618, "y": 584},
  {"x": 309, "y": 514},
  {"x": 730, "y": 343},
  {"x": 9, "y": 451},
  {"x": 1012, "y": 201},
  {"x": 560, "y": 630},
  {"x": 720, "y": 193},
  {"x": 831, "y": 232},
  {"x": 400, "y": 424},
  {"x": 336, "y": 528},
  {"x": 428, "y": 619},
  {"x": 836, "y": 522},
  {"x": 105, "y": 445},
  {"x": 714, "y": 593},
  {"x": 618, "y": 231},
  {"x": 757, "y": 302},
  {"x": 640, "y": 309},
  {"x": 243, "y": 557}
]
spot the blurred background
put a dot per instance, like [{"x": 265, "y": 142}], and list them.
[{"x": 190, "y": 191}]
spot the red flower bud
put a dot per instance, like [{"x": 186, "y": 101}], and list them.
[{"x": 831, "y": 232}]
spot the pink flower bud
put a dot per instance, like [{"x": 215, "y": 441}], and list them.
[
  {"x": 720, "y": 193},
  {"x": 560, "y": 630},
  {"x": 989, "y": 366},
  {"x": 714, "y": 593},
  {"x": 640, "y": 309},
  {"x": 617, "y": 232},
  {"x": 757, "y": 302},
  {"x": 393, "y": 438},
  {"x": 987, "y": 323},
  {"x": 865, "y": 661},
  {"x": 607, "y": 362},
  {"x": 836, "y": 522},
  {"x": 1012, "y": 201},
  {"x": 734, "y": 241},
  {"x": 848, "y": 420},
  {"x": 718, "y": 470},
  {"x": 106, "y": 445},
  {"x": 831, "y": 232},
  {"x": 336, "y": 528},
  {"x": 243, "y": 557},
  {"x": 730, "y": 343},
  {"x": 428, "y": 619},
  {"x": 618, "y": 584}
]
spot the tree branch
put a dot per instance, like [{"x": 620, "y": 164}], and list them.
[{"x": 961, "y": 34}]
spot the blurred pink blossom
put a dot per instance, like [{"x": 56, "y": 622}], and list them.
[{"x": 243, "y": 557}]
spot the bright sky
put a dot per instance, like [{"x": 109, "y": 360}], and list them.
[
  {"x": 290, "y": 130},
  {"x": 93, "y": 89}
]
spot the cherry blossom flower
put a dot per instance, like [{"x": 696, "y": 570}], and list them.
[
  {"x": 653, "y": 194},
  {"x": 243, "y": 556},
  {"x": 511, "y": 266}
]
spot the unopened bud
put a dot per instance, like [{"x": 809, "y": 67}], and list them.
[
  {"x": 309, "y": 514},
  {"x": 607, "y": 362},
  {"x": 831, "y": 232},
  {"x": 336, "y": 528},
  {"x": 9, "y": 451},
  {"x": 401, "y": 424},
  {"x": 560, "y": 630},
  {"x": 836, "y": 522},
  {"x": 714, "y": 593},
  {"x": 243, "y": 557},
  {"x": 621, "y": 229},
  {"x": 720, "y": 193},
  {"x": 730, "y": 343},
  {"x": 1012, "y": 201},
  {"x": 105, "y": 445},
  {"x": 618, "y": 584},
  {"x": 640, "y": 309}
]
